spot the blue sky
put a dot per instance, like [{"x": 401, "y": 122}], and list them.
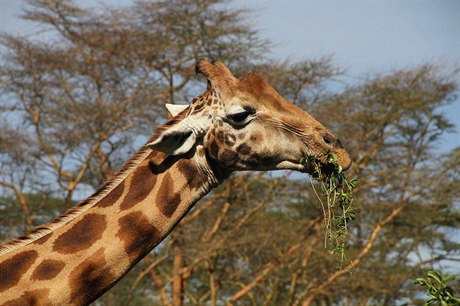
[{"x": 364, "y": 37}]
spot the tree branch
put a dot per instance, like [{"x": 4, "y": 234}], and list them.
[
  {"x": 355, "y": 262},
  {"x": 275, "y": 262}
]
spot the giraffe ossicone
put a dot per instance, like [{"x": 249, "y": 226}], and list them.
[
  {"x": 175, "y": 109},
  {"x": 236, "y": 124}
]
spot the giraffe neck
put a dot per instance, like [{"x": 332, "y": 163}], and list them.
[{"x": 78, "y": 261}]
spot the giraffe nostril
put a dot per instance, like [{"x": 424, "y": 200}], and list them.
[{"x": 329, "y": 140}]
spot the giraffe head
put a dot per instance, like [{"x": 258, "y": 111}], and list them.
[{"x": 244, "y": 124}]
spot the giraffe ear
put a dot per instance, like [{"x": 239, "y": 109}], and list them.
[
  {"x": 175, "y": 109},
  {"x": 174, "y": 142},
  {"x": 179, "y": 138}
]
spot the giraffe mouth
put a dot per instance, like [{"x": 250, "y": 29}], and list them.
[
  {"x": 297, "y": 166},
  {"x": 325, "y": 169},
  {"x": 322, "y": 171}
]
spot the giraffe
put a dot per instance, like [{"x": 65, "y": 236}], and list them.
[{"x": 236, "y": 124}]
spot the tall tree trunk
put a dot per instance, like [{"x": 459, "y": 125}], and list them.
[{"x": 178, "y": 282}]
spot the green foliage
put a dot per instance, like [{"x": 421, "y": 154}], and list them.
[
  {"x": 338, "y": 193},
  {"x": 438, "y": 290}
]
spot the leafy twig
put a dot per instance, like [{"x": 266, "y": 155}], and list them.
[
  {"x": 438, "y": 290},
  {"x": 338, "y": 194}
]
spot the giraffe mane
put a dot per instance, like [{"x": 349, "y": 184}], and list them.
[
  {"x": 75, "y": 211},
  {"x": 89, "y": 202}
]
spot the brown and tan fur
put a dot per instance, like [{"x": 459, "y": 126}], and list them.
[{"x": 236, "y": 124}]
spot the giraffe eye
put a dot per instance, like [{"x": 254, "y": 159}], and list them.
[{"x": 241, "y": 117}]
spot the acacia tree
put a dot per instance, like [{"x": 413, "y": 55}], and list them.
[{"x": 76, "y": 103}]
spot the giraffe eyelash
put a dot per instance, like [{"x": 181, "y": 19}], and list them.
[{"x": 241, "y": 116}]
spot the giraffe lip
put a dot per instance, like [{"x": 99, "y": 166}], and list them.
[
  {"x": 290, "y": 165},
  {"x": 296, "y": 166}
]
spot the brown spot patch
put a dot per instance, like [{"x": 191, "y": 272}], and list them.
[
  {"x": 230, "y": 140},
  {"x": 198, "y": 107},
  {"x": 43, "y": 239},
  {"x": 141, "y": 186},
  {"x": 244, "y": 149},
  {"x": 138, "y": 235},
  {"x": 13, "y": 268},
  {"x": 90, "y": 279},
  {"x": 221, "y": 136},
  {"x": 190, "y": 172},
  {"x": 228, "y": 157},
  {"x": 33, "y": 297},
  {"x": 48, "y": 269},
  {"x": 112, "y": 196},
  {"x": 254, "y": 160},
  {"x": 214, "y": 148},
  {"x": 83, "y": 234},
  {"x": 167, "y": 199}
]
